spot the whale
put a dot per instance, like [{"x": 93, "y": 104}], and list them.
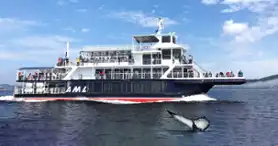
[{"x": 199, "y": 124}]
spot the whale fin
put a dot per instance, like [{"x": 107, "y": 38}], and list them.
[
  {"x": 171, "y": 113},
  {"x": 200, "y": 124},
  {"x": 181, "y": 119}
]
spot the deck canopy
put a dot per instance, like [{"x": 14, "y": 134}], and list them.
[
  {"x": 146, "y": 39},
  {"x": 167, "y": 46},
  {"x": 35, "y": 68},
  {"x": 102, "y": 48}
]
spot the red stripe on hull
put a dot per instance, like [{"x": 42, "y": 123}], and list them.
[{"x": 138, "y": 99}]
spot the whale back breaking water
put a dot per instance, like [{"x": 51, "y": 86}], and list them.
[
  {"x": 202, "y": 123},
  {"x": 199, "y": 124}
]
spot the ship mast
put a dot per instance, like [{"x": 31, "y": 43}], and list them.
[
  {"x": 159, "y": 25},
  {"x": 67, "y": 51}
]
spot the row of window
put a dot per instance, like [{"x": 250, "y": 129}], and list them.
[{"x": 128, "y": 87}]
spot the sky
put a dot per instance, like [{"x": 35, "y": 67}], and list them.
[{"x": 222, "y": 35}]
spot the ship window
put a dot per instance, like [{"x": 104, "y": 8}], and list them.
[
  {"x": 138, "y": 87},
  {"x": 166, "y": 54},
  {"x": 185, "y": 72},
  {"x": 164, "y": 70},
  {"x": 146, "y": 59},
  {"x": 177, "y": 53},
  {"x": 156, "y": 58},
  {"x": 156, "y": 87},
  {"x": 156, "y": 73},
  {"x": 116, "y": 87},
  {"x": 98, "y": 86},
  {"x": 137, "y": 73},
  {"x": 166, "y": 39},
  {"x": 174, "y": 39},
  {"x": 147, "y": 86},
  {"x": 177, "y": 72},
  {"x": 107, "y": 87},
  {"x": 108, "y": 73},
  {"x": 146, "y": 73}
]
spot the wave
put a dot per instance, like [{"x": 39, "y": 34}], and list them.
[{"x": 263, "y": 84}]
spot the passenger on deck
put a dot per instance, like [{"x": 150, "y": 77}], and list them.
[
  {"x": 78, "y": 61},
  {"x": 190, "y": 59},
  {"x": 210, "y": 74},
  {"x": 228, "y": 74},
  {"x": 59, "y": 62},
  {"x": 41, "y": 74},
  {"x": 30, "y": 76},
  {"x": 232, "y": 74},
  {"x": 221, "y": 74},
  {"x": 62, "y": 62},
  {"x": 240, "y": 73},
  {"x": 101, "y": 73},
  {"x": 20, "y": 76},
  {"x": 217, "y": 75},
  {"x": 35, "y": 76},
  {"x": 66, "y": 61}
]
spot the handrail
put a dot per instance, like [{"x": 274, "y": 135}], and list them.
[
  {"x": 70, "y": 73},
  {"x": 199, "y": 66},
  {"x": 172, "y": 66}
]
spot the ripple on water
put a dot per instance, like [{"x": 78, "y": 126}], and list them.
[{"x": 249, "y": 120}]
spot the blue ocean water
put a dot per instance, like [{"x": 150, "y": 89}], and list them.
[{"x": 246, "y": 117}]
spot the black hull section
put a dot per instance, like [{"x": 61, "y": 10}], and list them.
[{"x": 129, "y": 88}]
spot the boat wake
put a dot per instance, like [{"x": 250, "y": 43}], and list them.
[
  {"x": 6, "y": 98},
  {"x": 193, "y": 98}
]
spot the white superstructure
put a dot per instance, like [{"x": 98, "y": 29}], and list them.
[{"x": 151, "y": 56}]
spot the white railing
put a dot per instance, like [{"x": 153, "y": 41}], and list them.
[
  {"x": 68, "y": 76},
  {"x": 198, "y": 66},
  {"x": 129, "y": 76},
  {"x": 198, "y": 69}
]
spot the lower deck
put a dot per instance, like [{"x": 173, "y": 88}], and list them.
[{"x": 120, "y": 88}]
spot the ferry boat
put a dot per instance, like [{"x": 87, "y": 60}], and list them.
[{"x": 153, "y": 68}]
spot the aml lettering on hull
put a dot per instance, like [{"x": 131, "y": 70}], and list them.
[{"x": 76, "y": 89}]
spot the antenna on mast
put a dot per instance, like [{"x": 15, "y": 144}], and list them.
[{"x": 159, "y": 25}]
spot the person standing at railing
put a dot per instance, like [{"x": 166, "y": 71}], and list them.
[
  {"x": 78, "y": 61},
  {"x": 190, "y": 59},
  {"x": 228, "y": 74},
  {"x": 66, "y": 61},
  {"x": 232, "y": 74},
  {"x": 20, "y": 76},
  {"x": 59, "y": 62},
  {"x": 240, "y": 73},
  {"x": 210, "y": 74}
]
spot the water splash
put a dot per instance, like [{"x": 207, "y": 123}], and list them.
[
  {"x": 7, "y": 98},
  {"x": 197, "y": 98},
  {"x": 192, "y": 98}
]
